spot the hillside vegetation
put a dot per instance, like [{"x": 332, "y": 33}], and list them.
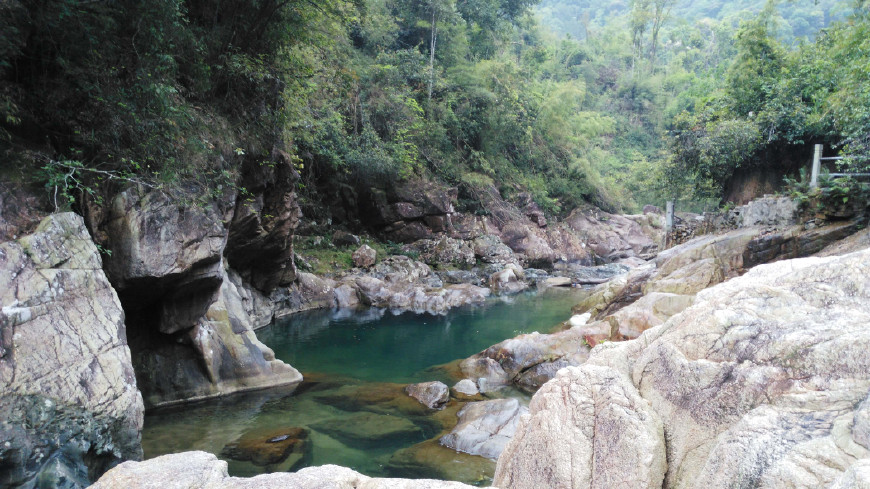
[{"x": 650, "y": 100}]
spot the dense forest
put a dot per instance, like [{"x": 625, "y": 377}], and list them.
[{"x": 576, "y": 102}]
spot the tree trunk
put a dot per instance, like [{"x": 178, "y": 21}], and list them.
[{"x": 432, "y": 42}]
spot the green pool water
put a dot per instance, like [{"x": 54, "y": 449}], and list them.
[{"x": 355, "y": 364}]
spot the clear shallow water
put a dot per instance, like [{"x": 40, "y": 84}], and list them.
[{"x": 351, "y": 404}]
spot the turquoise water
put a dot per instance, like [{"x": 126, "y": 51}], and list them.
[{"x": 351, "y": 404}]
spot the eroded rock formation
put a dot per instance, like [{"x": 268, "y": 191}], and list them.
[
  {"x": 69, "y": 407},
  {"x": 190, "y": 320},
  {"x": 761, "y": 383}
]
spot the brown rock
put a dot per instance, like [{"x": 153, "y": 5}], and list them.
[
  {"x": 364, "y": 257},
  {"x": 433, "y": 395},
  {"x": 271, "y": 447}
]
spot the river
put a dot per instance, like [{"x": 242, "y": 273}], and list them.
[{"x": 351, "y": 408}]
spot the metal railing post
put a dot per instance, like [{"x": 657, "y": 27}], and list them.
[{"x": 817, "y": 165}]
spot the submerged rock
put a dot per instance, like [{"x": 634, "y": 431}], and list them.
[
  {"x": 370, "y": 429},
  {"x": 485, "y": 427},
  {"x": 281, "y": 449},
  {"x": 431, "y": 459},
  {"x": 763, "y": 381},
  {"x": 433, "y": 395},
  {"x": 204, "y": 471}
]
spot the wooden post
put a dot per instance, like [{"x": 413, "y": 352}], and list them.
[
  {"x": 817, "y": 166},
  {"x": 669, "y": 215}
]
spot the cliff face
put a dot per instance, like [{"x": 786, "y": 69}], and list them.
[
  {"x": 763, "y": 382},
  {"x": 69, "y": 404},
  {"x": 189, "y": 330}
]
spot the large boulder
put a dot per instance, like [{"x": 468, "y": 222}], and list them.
[
  {"x": 527, "y": 359},
  {"x": 204, "y": 471},
  {"x": 611, "y": 236},
  {"x": 443, "y": 253},
  {"x": 588, "y": 427},
  {"x": 762, "y": 383},
  {"x": 485, "y": 427},
  {"x": 68, "y": 397}
]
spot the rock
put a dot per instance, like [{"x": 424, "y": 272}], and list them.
[
  {"x": 558, "y": 282},
  {"x": 248, "y": 304},
  {"x": 504, "y": 363},
  {"x": 506, "y": 282},
  {"x": 466, "y": 387},
  {"x": 188, "y": 326},
  {"x": 762, "y": 380},
  {"x": 611, "y": 237},
  {"x": 407, "y": 232},
  {"x": 259, "y": 242},
  {"x": 380, "y": 398},
  {"x": 432, "y": 198},
  {"x": 364, "y": 257},
  {"x": 652, "y": 209},
  {"x": 769, "y": 211},
  {"x": 68, "y": 385},
  {"x": 400, "y": 269},
  {"x": 487, "y": 372},
  {"x": 588, "y": 427},
  {"x": 431, "y": 459},
  {"x": 344, "y": 238},
  {"x": 460, "y": 277},
  {"x": 165, "y": 260},
  {"x": 433, "y": 395},
  {"x": 579, "y": 319},
  {"x": 204, "y": 471},
  {"x": 857, "y": 476},
  {"x": 219, "y": 356},
  {"x": 489, "y": 249},
  {"x": 851, "y": 244},
  {"x": 444, "y": 252},
  {"x": 282, "y": 449},
  {"x": 346, "y": 296},
  {"x": 485, "y": 427},
  {"x": 521, "y": 238},
  {"x": 370, "y": 429},
  {"x": 307, "y": 293},
  {"x": 531, "y": 379},
  {"x": 650, "y": 310}
]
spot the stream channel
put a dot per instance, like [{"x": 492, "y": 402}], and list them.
[{"x": 351, "y": 408}]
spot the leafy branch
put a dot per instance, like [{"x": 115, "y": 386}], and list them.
[{"x": 68, "y": 176}]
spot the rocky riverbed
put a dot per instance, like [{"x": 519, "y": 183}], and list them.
[{"x": 149, "y": 301}]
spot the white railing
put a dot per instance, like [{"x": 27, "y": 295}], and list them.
[{"x": 817, "y": 167}]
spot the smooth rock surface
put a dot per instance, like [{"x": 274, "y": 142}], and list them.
[
  {"x": 485, "y": 427},
  {"x": 202, "y": 470}
]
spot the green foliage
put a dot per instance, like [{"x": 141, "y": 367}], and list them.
[{"x": 834, "y": 196}]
